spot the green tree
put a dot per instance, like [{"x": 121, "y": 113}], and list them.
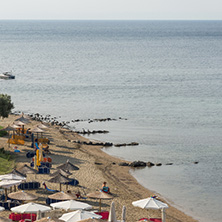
[{"x": 5, "y": 105}]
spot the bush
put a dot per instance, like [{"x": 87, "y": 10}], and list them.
[{"x": 2, "y": 133}]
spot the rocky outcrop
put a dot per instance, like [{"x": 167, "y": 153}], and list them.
[
  {"x": 126, "y": 144},
  {"x": 138, "y": 164}
]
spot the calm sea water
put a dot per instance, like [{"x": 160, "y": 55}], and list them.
[{"x": 163, "y": 76}]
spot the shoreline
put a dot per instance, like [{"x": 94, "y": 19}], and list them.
[{"x": 97, "y": 166}]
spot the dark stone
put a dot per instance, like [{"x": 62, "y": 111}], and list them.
[
  {"x": 196, "y": 162},
  {"x": 169, "y": 164},
  {"x": 123, "y": 164},
  {"x": 97, "y": 163},
  {"x": 150, "y": 164},
  {"x": 138, "y": 164},
  {"x": 159, "y": 164}
]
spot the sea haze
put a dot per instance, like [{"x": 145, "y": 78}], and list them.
[{"x": 164, "y": 77}]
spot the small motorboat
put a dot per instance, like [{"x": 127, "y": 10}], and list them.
[{"x": 6, "y": 75}]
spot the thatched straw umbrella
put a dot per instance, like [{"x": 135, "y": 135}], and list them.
[
  {"x": 23, "y": 196},
  {"x": 61, "y": 196},
  {"x": 27, "y": 170},
  {"x": 8, "y": 129},
  {"x": 99, "y": 195},
  {"x": 59, "y": 178},
  {"x": 23, "y": 119},
  {"x": 18, "y": 173},
  {"x": 68, "y": 166},
  {"x": 42, "y": 126},
  {"x": 37, "y": 130},
  {"x": 60, "y": 171}
]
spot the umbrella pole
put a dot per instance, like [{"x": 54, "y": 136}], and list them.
[
  {"x": 60, "y": 187},
  {"x": 163, "y": 215},
  {"x": 6, "y": 195},
  {"x": 100, "y": 205},
  {"x": 14, "y": 188}
]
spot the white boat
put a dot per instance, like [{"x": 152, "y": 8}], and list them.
[{"x": 6, "y": 75}]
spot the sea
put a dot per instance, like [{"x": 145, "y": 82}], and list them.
[{"x": 160, "y": 83}]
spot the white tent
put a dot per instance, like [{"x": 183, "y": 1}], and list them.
[
  {"x": 151, "y": 203},
  {"x": 30, "y": 208},
  {"x": 11, "y": 176},
  {"x": 78, "y": 215},
  {"x": 71, "y": 205},
  {"x": 112, "y": 213},
  {"x": 2, "y": 208}
]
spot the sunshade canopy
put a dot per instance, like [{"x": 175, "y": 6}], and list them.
[
  {"x": 23, "y": 119},
  {"x": 71, "y": 205},
  {"x": 37, "y": 130},
  {"x": 112, "y": 213},
  {"x": 61, "y": 196},
  {"x": 150, "y": 203},
  {"x": 59, "y": 178},
  {"x": 26, "y": 169},
  {"x": 42, "y": 126},
  {"x": 22, "y": 195},
  {"x": 19, "y": 123},
  {"x": 99, "y": 195},
  {"x": 11, "y": 176},
  {"x": 9, "y": 183},
  {"x": 79, "y": 215},
  {"x": 60, "y": 171},
  {"x": 68, "y": 166},
  {"x": 18, "y": 173},
  {"x": 8, "y": 128},
  {"x": 30, "y": 208}
]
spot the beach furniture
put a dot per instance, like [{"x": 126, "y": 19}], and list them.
[
  {"x": 29, "y": 186},
  {"x": 104, "y": 214}
]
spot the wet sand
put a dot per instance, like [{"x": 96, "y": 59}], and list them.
[{"x": 95, "y": 168}]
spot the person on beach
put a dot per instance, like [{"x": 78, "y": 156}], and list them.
[
  {"x": 36, "y": 146},
  {"x": 105, "y": 189}
]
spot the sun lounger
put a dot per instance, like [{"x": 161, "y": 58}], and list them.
[
  {"x": 28, "y": 186},
  {"x": 104, "y": 214}
]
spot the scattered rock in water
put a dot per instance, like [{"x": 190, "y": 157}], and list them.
[
  {"x": 126, "y": 144},
  {"x": 159, "y": 164},
  {"x": 150, "y": 164},
  {"x": 169, "y": 164},
  {"x": 138, "y": 164},
  {"x": 123, "y": 164},
  {"x": 196, "y": 162}
]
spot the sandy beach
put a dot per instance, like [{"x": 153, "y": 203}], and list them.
[{"x": 95, "y": 168}]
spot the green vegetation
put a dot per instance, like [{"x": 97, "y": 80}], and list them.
[
  {"x": 6, "y": 161},
  {"x": 5, "y": 105},
  {"x": 2, "y": 133}
]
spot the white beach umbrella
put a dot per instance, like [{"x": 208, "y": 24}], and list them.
[
  {"x": 71, "y": 205},
  {"x": 79, "y": 215},
  {"x": 151, "y": 203},
  {"x": 30, "y": 208},
  {"x": 11, "y": 176},
  {"x": 2, "y": 208},
  {"x": 112, "y": 213},
  {"x": 9, "y": 183}
]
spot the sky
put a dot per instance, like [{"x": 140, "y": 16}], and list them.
[{"x": 112, "y": 10}]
